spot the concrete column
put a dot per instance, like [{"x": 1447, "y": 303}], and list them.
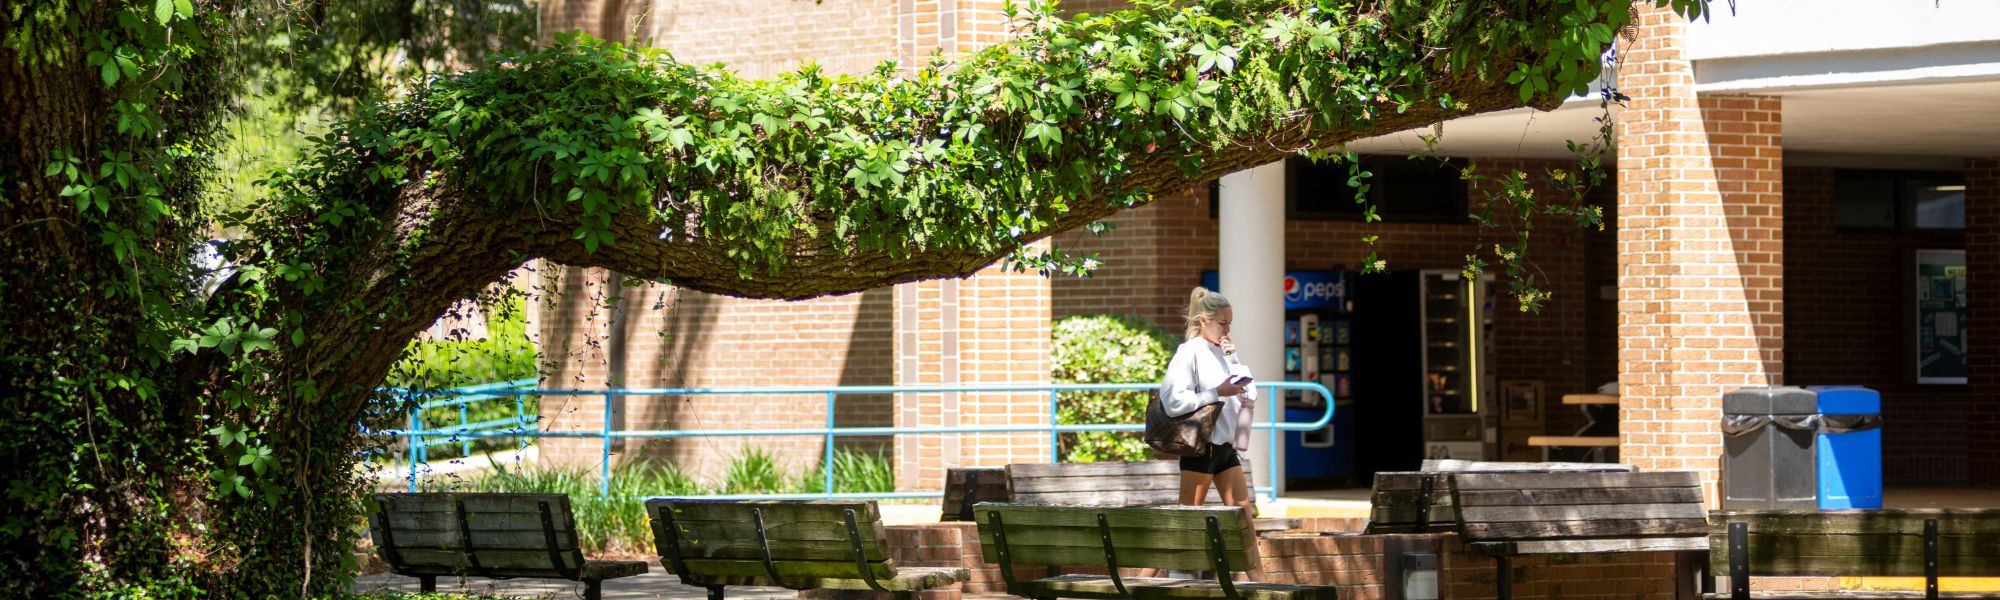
[
  {"x": 1700, "y": 254},
  {"x": 1252, "y": 248},
  {"x": 1982, "y": 256}
]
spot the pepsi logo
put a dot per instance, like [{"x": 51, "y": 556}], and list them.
[{"x": 1292, "y": 289}]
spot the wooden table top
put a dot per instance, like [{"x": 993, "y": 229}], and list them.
[
  {"x": 1589, "y": 399},
  {"x": 1573, "y": 440}
]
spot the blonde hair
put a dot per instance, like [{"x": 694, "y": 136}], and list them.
[{"x": 1203, "y": 304}]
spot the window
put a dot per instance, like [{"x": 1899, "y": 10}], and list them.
[
  {"x": 1866, "y": 200},
  {"x": 1404, "y": 190}
]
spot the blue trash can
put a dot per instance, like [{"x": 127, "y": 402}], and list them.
[{"x": 1850, "y": 447}]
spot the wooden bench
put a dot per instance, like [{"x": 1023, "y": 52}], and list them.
[
  {"x": 501, "y": 536},
  {"x": 794, "y": 544},
  {"x": 1420, "y": 502},
  {"x": 1212, "y": 538},
  {"x": 1854, "y": 543},
  {"x": 1140, "y": 483},
  {"x": 1508, "y": 514}
]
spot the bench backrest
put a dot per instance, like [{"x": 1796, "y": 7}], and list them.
[
  {"x": 966, "y": 486},
  {"x": 1160, "y": 537},
  {"x": 495, "y": 533},
  {"x": 1859, "y": 543},
  {"x": 1578, "y": 512},
  {"x": 1400, "y": 504},
  {"x": 719, "y": 541},
  {"x": 1141, "y": 483}
]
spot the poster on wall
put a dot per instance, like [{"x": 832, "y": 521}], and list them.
[{"x": 1940, "y": 316}]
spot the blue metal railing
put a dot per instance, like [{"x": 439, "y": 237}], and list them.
[
  {"x": 463, "y": 434},
  {"x": 464, "y": 398}
]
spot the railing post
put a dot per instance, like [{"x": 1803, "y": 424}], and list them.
[
  {"x": 604, "y": 461},
  {"x": 1272, "y": 409},
  {"x": 520, "y": 421},
  {"x": 1055, "y": 437},
  {"x": 411, "y": 447},
  {"x": 466, "y": 442},
  {"x": 826, "y": 461}
]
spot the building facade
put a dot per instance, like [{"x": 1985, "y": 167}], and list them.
[{"x": 1775, "y": 186}]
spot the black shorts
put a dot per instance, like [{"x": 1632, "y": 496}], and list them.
[{"x": 1221, "y": 457}]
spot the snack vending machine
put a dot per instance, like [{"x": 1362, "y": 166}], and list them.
[{"x": 1318, "y": 347}]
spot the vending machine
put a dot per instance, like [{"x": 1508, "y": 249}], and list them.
[
  {"x": 1420, "y": 340},
  {"x": 1318, "y": 347}
]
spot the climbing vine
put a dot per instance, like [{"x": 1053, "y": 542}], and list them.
[{"x": 189, "y": 426}]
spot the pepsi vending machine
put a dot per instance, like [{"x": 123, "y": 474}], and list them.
[{"x": 1317, "y": 348}]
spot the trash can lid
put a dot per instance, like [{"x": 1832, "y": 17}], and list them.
[
  {"x": 1787, "y": 400},
  {"x": 1848, "y": 400}
]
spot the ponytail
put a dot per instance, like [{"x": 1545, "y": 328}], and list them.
[{"x": 1202, "y": 304}]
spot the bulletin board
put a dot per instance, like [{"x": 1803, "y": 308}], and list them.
[{"x": 1940, "y": 316}]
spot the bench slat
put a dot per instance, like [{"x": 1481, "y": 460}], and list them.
[
  {"x": 1189, "y": 540},
  {"x": 1081, "y": 556},
  {"x": 1100, "y": 586},
  {"x": 1662, "y": 544},
  {"x": 522, "y": 560},
  {"x": 801, "y": 569},
  {"x": 1442, "y": 465},
  {"x": 1578, "y": 496},
  {"x": 1134, "y": 517},
  {"x": 1570, "y": 480},
  {"x": 1101, "y": 498},
  {"x": 1109, "y": 482},
  {"x": 907, "y": 579},
  {"x": 448, "y": 522},
  {"x": 775, "y": 511},
  {"x": 1692, "y": 511},
  {"x": 1530, "y": 530},
  {"x": 1096, "y": 469},
  {"x": 1907, "y": 521},
  {"x": 484, "y": 540}
]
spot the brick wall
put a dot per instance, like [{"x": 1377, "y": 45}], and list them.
[
  {"x": 1847, "y": 299},
  {"x": 1982, "y": 254},
  {"x": 1700, "y": 253},
  {"x": 674, "y": 338}
]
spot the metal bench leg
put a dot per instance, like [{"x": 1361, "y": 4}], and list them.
[
  {"x": 714, "y": 592},
  {"x": 1505, "y": 578},
  {"x": 427, "y": 583},
  {"x": 1930, "y": 559}
]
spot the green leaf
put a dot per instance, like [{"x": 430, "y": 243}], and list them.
[
  {"x": 185, "y": 8},
  {"x": 163, "y": 10}
]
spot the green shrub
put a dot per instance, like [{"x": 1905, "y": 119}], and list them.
[
  {"x": 1107, "y": 349},
  {"x": 854, "y": 472},
  {"x": 614, "y": 523},
  {"x": 754, "y": 472}
]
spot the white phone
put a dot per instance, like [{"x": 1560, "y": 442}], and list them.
[{"x": 1241, "y": 380}]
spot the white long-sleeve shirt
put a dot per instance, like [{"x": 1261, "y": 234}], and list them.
[{"x": 1197, "y": 369}]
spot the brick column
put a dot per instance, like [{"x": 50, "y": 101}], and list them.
[
  {"x": 1982, "y": 255},
  {"x": 1700, "y": 247},
  {"x": 988, "y": 329},
  {"x": 991, "y": 328}
]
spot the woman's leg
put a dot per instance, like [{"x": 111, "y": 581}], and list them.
[
  {"x": 1235, "y": 491},
  {"x": 1194, "y": 487}
]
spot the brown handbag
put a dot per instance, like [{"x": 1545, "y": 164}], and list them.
[{"x": 1185, "y": 436}]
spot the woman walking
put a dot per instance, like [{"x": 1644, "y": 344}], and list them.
[{"x": 1205, "y": 371}]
